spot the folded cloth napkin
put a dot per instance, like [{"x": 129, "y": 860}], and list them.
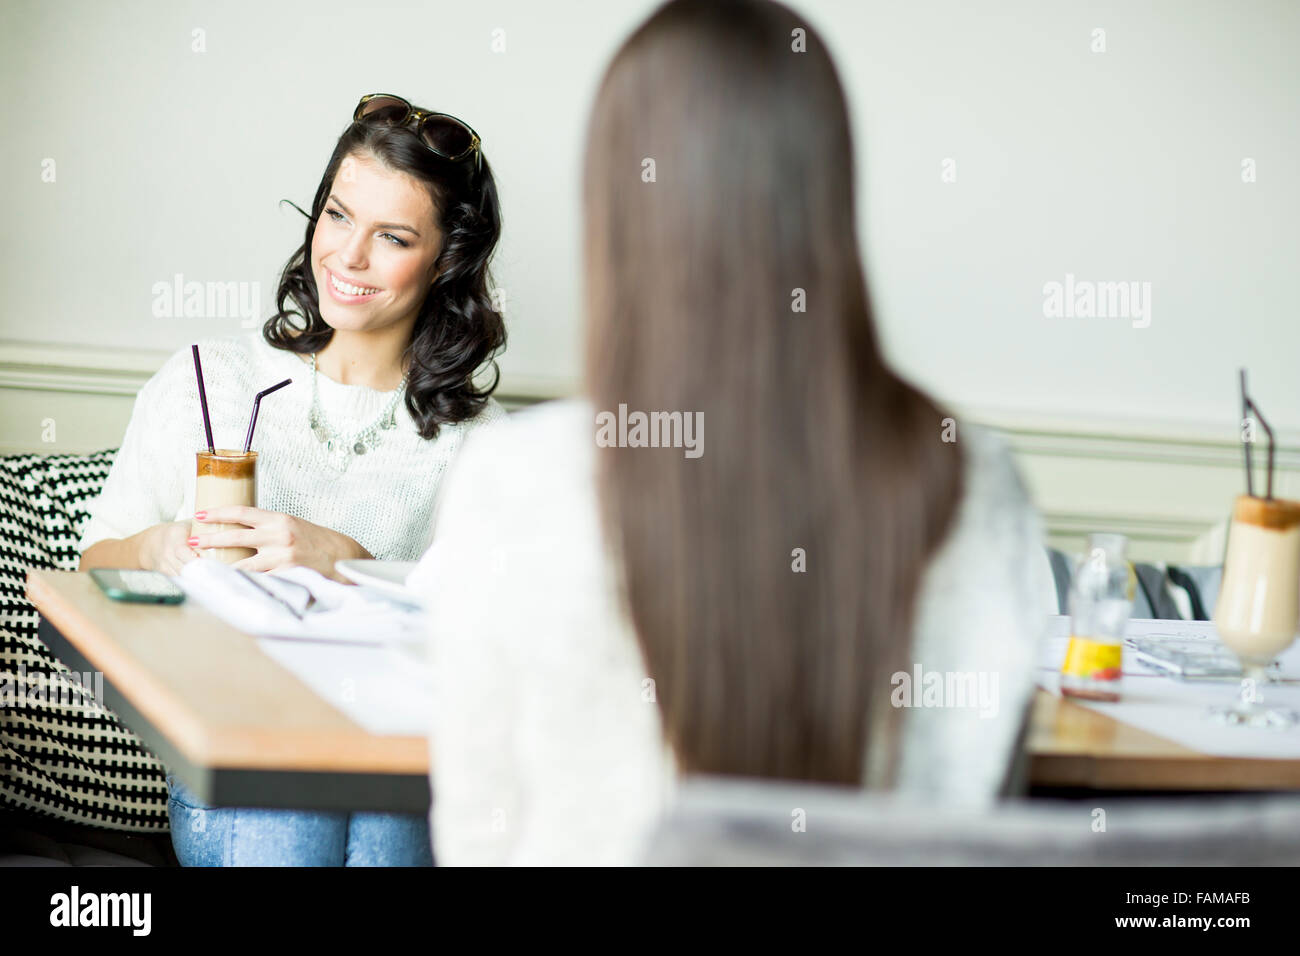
[{"x": 300, "y": 603}]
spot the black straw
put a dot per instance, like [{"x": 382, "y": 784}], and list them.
[
  {"x": 257, "y": 404},
  {"x": 1245, "y": 444},
  {"x": 1269, "y": 432},
  {"x": 1248, "y": 407},
  {"x": 203, "y": 400}
]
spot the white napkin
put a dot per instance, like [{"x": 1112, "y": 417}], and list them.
[{"x": 309, "y": 606}]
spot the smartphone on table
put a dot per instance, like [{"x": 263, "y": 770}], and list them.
[{"x": 142, "y": 587}]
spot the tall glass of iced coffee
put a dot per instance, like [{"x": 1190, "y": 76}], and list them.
[
  {"x": 225, "y": 477},
  {"x": 1259, "y": 600}
]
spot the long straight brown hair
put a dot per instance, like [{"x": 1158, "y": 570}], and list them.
[{"x": 771, "y": 580}]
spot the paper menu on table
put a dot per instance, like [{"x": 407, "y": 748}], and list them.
[
  {"x": 386, "y": 690},
  {"x": 1179, "y": 711},
  {"x": 263, "y": 604}
]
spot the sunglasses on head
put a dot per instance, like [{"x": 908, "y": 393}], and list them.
[{"x": 446, "y": 136}]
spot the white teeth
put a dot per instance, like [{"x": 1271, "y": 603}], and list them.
[{"x": 349, "y": 289}]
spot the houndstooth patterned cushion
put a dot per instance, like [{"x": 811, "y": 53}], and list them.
[{"x": 70, "y": 760}]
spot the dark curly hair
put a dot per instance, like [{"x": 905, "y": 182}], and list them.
[{"x": 457, "y": 330}]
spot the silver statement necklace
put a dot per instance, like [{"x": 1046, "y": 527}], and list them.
[{"x": 342, "y": 446}]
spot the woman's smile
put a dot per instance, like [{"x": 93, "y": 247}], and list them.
[{"x": 347, "y": 292}]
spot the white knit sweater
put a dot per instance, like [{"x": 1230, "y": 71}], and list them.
[
  {"x": 384, "y": 499},
  {"x": 546, "y": 747}
]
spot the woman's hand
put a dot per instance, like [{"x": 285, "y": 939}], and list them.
[
  {"x": 281, "y": 541},
  {"x": 163, "y": 547}
]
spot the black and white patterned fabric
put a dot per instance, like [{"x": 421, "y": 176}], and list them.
[{"x": 66, "y": 758}]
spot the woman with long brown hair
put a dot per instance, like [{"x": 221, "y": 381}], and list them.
[{"x": 745, "y": 551}]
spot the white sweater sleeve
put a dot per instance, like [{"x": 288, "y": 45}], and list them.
[
  {"x": 146, "y": 485},
  {"x": 979, "y": 618},
  {"x": 491, "y": 418},
  {"x": 476, "y": 814}
]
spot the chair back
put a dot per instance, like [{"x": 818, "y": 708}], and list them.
[{"x": 740, "y": 822}]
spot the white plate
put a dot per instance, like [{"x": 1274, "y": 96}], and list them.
[{"x": 386, "y": 576}]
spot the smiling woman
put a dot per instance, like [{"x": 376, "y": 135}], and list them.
[
  {"x": 376, "y": 273},
  {"x": 403, "y": 226},
  {"x": 399, "y": 237}
]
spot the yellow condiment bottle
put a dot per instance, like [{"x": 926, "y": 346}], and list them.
[{"x": 1101, "y": 597}]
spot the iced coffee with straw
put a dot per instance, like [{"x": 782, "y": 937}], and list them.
[
  {"x": 225, "y": 477},
  {"x": 1258, "y": 610},
  {"x": 1259, "y": 600}
]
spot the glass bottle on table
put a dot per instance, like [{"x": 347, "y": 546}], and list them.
[{"x": 1101, "y": 598}]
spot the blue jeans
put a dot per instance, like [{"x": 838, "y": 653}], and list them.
[{"x": 227, "y": 836}]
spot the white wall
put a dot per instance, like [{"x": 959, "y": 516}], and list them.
[
  {"x": 171, "y": 161},
  {"x": 1116, "y": 165},
  {"x": 1122, "y": 165}
]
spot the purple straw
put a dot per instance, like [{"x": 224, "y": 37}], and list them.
[
  {"x": 203, "y": 400},
  {"x": 257, "y": 404}
]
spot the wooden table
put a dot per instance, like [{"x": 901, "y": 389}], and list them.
[
  {"x": 240, "y": 730},
  {"x": 236, "y": 727},
  {"x": 1071, "y": 746}
]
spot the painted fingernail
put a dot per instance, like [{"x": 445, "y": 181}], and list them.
[
  {"x": 200, "y": 515},
  {"x": 192, "y": 542}
]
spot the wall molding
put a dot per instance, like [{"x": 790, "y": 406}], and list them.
[
  {"x": 122, "y": 371},
  {"x": 68, "y": 368},
  {"x": 1159, "y": 442},
  {"x": 1166, "y": 484}
]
